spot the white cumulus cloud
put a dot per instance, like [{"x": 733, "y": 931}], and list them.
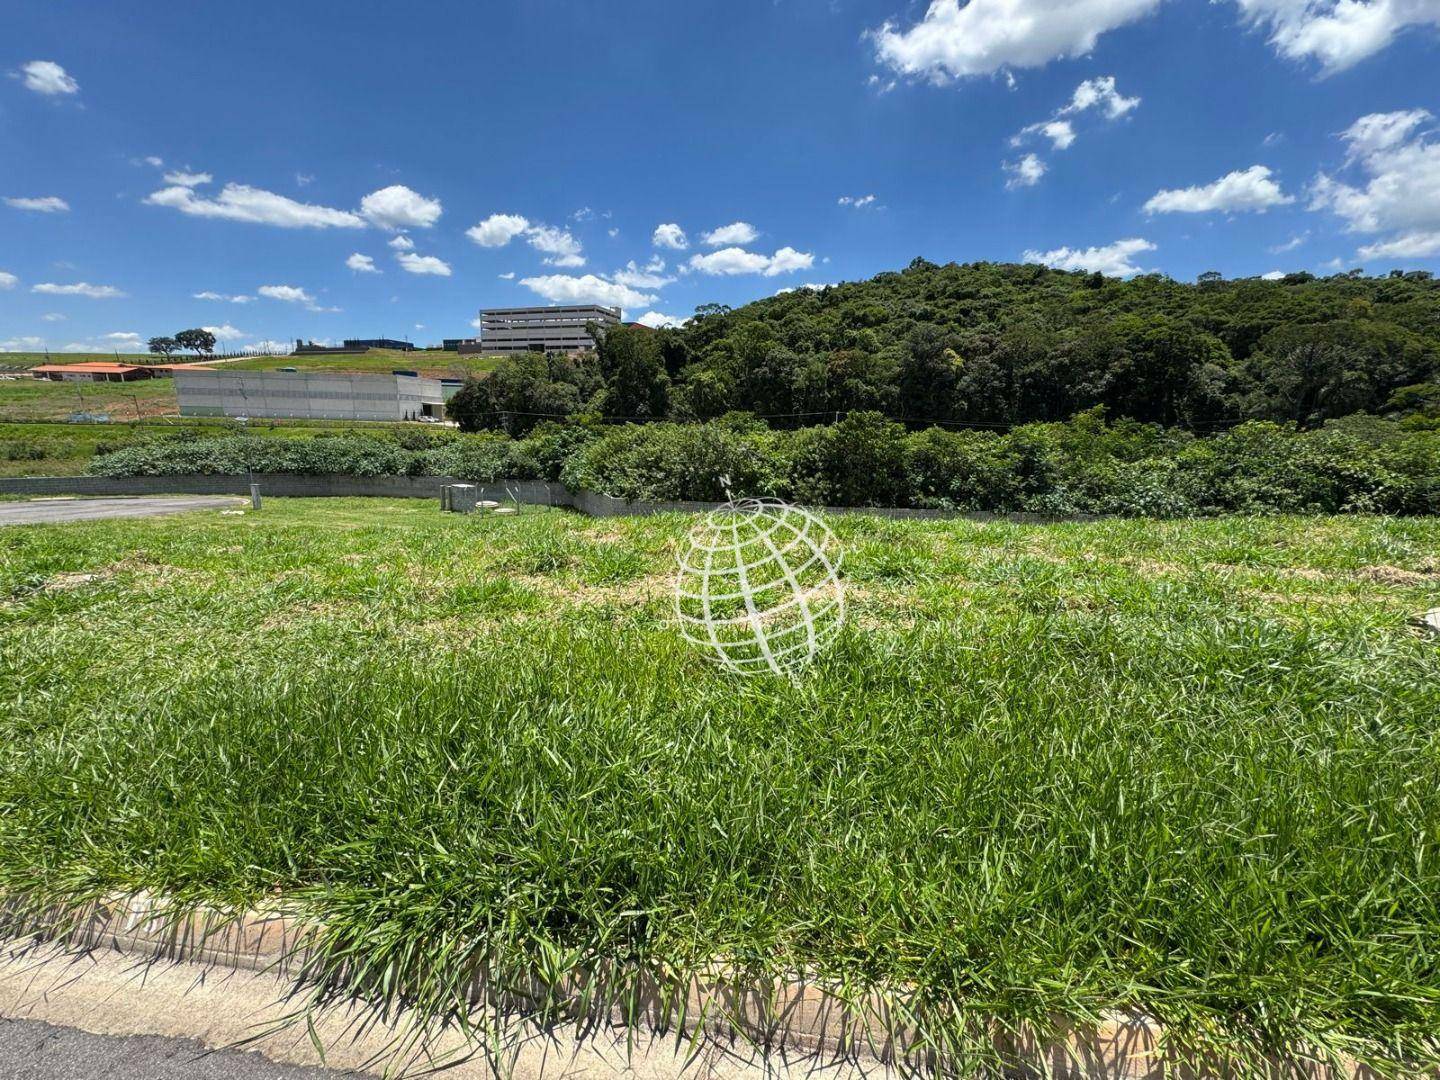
[
  {"x": 1397, "y": 185},
  {"x": 983, "y": 37},
  {"x": 558, "y": 246},
  {"x": 1097, "y": 94},
  {"x": 1336, "y": 34},
  {"x": 8, "y": 281},
  {"x": 423, "y": 264},
  {"x": 398, "y": 207},
  {"x": 116, "y": 340},
  {"x": 362, "y": 264},
  {"x": 1291, "y": 244},
  {"x": 1024, "y": 172},
  {"x": 401, "y": 243},
  {"x": 241, "y": 202},
  {"x": 225, "y": 332},
  {"x": 80, "y": 288},
  {"x": 656, "y": 321},
  {"x": 1100, "y": 93},
  {"x": 856, "y": 200},
  {"x": 187, "y": 179},
  {"x": 1272, "y": 275},
  {"x": 585, "y": 289},
  {"x": 210, "y": 295},
  {"x": 1112, "y": 260},
  {"x": 292, "y": 294},
  {"x": 497, "y": 230},
  {"x": 650, "y": 276},
  {"x": 670, "y": 236},
  {"x": 22, "y": 344},
  {"x": 44, "y": 204},
  {"x": 737, "y": 232},
  {"x": 1412, "y": 245},
  {"x": 1245, "y": 189},
  {"x": 1061, "y": 133},
  {"x": 276, "y": 348},
  {"x": 986, "y": 36},
  {"x": 49, "y": 78},
  {"x": 1377, "y": 132},
  {"x": 734, "y": 260}
]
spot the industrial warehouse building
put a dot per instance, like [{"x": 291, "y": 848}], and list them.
[
  {"x": 538, "y": 329},
  {"x": 303, "y": 395}
]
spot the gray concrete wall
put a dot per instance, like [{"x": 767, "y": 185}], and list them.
[
  {"x": 532, "y": 492},
  {"x": 305, "y": 395},
  {"x": 278, "y": 484}
]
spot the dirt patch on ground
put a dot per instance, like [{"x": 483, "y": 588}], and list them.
[
  {"x": 635, "y": 593},
  {"x": 312, "y": 611},
  {"x": 1395, "y": 575},
  {"x": 75, "y": 579},
  {"x": 138, "y": 564}
]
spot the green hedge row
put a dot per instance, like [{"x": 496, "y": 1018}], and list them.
[
  {"x": 1085, "y": 465},
  {"x": 468, "y": 457}
]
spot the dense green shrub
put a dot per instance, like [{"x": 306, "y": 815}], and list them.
[
  {"x": 24, "y": 450},
  {"x": 353, "y": 455},
  {"x": 858, "y": 462},
  {"x": 961, "y": 470},
  {"x": 679, "y": 461},
  {"x": 552, "y": 445},
  {"x": 1084, "y": 465},
  {"x": 479, "y": 459}
]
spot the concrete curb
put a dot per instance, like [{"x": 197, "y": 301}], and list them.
[
  {"x": 787, "y": 1018},
  {"x": 117, "y": 996}
]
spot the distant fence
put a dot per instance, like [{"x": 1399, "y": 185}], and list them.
[
  {"x": 242, "y": 354},
  {"x": 532, "y": 492}
]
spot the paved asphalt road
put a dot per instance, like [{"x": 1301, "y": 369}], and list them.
[
  {"x": 32, "y": 1050},
  {"x": 51, "y": 511}
]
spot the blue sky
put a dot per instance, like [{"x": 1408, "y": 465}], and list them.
[{"x": 328, "y": 170}]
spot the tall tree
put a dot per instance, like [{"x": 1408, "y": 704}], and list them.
[
  {"x": 637, "y": 386},
  {"x": 197, "y": 340},
  {"x": 163, "y": 346}
]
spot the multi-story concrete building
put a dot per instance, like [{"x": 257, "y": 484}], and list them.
[
  {"x": 303, "y": 395},
  {"x": 538, "y": 329}
]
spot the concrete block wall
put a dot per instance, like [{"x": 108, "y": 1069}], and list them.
[
  {"x": 532, "y": 492},
  {"x": 291, "y": 484}
]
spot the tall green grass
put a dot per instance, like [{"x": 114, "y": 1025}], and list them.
[{"x": 1185, "y": 767}]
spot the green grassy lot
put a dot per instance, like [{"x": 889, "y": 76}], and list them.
[
  {"x": 41, "y": 399},
  {"x": 437, "y": 364},
  {"x": 1189, "y": 767},
  {"x": 57, "y": 449}
]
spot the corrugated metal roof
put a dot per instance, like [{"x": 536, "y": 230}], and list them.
[{"x": 94, "y": 367}]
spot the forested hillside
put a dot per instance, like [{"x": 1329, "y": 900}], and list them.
[{"x": 987, "y": 344}]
